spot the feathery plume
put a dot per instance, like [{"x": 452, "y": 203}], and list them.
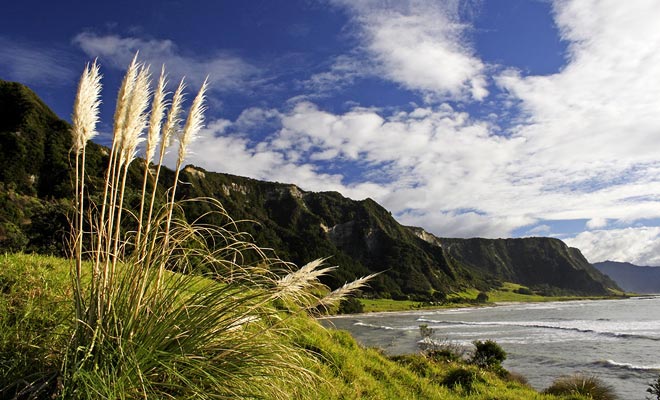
[
  {"x": 173, "y": 117},
  {"x": 136, "y": 115},
  {"x": 156, "y": 119},
  {"x": 346, "y": 290},
  {"x": 304, "y": 278},
  {"x": 194, "y": 122},
  {"x": 123, "y": 101},
  {"x": 86, "y": 107}
]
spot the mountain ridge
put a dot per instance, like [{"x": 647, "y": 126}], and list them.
[
  {"x": 361, "y": 236},
  {"x": 631, "y": 277}
]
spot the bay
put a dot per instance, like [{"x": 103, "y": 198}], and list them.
[{"x": 616, "y": 340}]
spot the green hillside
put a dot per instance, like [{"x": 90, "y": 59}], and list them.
[{"x": 36, "y": 320}]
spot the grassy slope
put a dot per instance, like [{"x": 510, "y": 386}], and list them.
[{"x": 34, "y": 302}]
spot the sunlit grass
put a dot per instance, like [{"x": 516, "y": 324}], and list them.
[
  {"x": 216, "y": 328},
  {"x": 466, "y": 298}
]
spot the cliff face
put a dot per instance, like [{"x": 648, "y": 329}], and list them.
[
  {"x": 630, "y": 277},
  {"x": 359, "y": 236},
  {"x": 534, "y": 262}
]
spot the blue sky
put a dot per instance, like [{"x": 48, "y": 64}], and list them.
[{"x": 466, "y": 117}]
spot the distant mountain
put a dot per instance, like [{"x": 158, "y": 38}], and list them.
[
  {"x": 360, "y": 236},
  {"x": 630, "y": 277},
  {"x": 538, "y": 262}
]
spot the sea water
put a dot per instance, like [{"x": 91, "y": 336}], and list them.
[{"x": 617, "y": 341}]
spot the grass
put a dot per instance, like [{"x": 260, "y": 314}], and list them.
[
  {"x": 125, "y": 326},
  {"x": 584, "y": 385},
  {"x": 36, "y": 293},
  {"x": 504, "y": 294}
]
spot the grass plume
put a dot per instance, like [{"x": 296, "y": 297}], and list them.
[{"x": 210, "y": 331}]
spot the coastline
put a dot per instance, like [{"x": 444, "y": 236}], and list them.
[{"x": 388, "y": 306}]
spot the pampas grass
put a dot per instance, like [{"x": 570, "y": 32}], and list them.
[
  {"x": 84, "y": 118},
  {"x": 141, "y": 331}
]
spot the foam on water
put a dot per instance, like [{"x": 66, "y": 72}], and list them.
[{"x": 628, "y": 366}]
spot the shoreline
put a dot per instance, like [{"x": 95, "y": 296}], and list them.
[{"x": 459, "y": 306}]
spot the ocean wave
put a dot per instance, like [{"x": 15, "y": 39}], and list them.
[
  {"x": 627, "y": 366},
  {"x": 385, "y": 327},
  {"x": 540, "y": 325}
]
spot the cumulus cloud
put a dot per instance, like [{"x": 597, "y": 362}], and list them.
[
  {"x": 597, "y": 115},
  {"x": 540, "y": 230},
  {"x": 596, "y": 223},
  {"x": 462, "y": 224},
  {"x": 420, "y": 45},
  {"x": 221, "y": 147},
  {"x": 585, "y": 149},
  {"x": 33, "y": 64},
  {"x": 432, "y": 166},
  {"x": 637, "y": 245},
  {"x": 228, "y": 72}
]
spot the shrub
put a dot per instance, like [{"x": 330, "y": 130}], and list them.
[
  {"x": 482, "y": 297},
  {"x": 523, "y": 290},
  {"x": 425, "y": 332},
  {"x": 461, "y": 377},
  {"x": 585, "y": 385},
  {"x": 517, "y": 378},
  {"x": 654, "y": 389},
  {"x": 435, "y": 350},
  {"x": 350, "y": 305},
  {"x": 488, "y": 354}
]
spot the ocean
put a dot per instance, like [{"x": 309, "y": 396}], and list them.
[{"x": 616, "y": 340}]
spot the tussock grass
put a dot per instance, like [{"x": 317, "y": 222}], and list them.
[
  {"x": 139, "y": 331},
  {"x": 584, "y": 385}
]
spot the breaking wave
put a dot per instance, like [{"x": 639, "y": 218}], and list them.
[
  {"x": 627, "y": 366},
  {"x": 540, "y": 325}
]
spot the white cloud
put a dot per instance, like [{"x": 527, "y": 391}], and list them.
[
  {"x": 443, "y": 171},
  {"x": 598, "y": 115},
  {"x": 585, "y": 152},
  {"x": 227, "y": 72},
  {"x": 596, "y": 223},
  {"x": 637, "y": 245},
  {"x": 540, "y": 230},
  {"x": 219, "y": 149},
  {"x": 462, "y": 224},
  {"x": 343, "y": 72},
  {"x": 32, "y": 64},
  {"x": 420, "y": 45}
]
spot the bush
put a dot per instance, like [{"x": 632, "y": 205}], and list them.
[
  {"x": 462, "y": 377},
  {"x": 482, "y": 297},
  {"x": 584, "y": 385},
  {"x": 425, "y": 332},
  {"x": 523, "y": 290},
  {"x": 488, "y": 354},
  {"x": 350, "y": 305},
  {"x": 654, "y": 389}
]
